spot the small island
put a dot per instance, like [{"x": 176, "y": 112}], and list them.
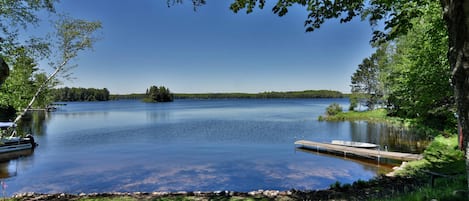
[{"x": 156, "y": 94}]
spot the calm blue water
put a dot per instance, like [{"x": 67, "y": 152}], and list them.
[{"x": 189, "y": 145}]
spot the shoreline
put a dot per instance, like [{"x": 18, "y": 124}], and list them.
[{"x": 378, "y": 187}]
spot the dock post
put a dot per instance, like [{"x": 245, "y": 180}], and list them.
[{"x": 379, "y": 153}]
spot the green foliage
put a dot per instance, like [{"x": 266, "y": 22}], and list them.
[
  {"x": 411, "y": 75},
  {"x": 378, "y": 115},
  {"x": 18, "y": 13},
  {"x": 158, "y": 94},
  {"x": 444, "y": 156},
  {"x": 354, "y": 101},
  {"x": 4, "y": 71},
  {"x": 417, "y": 77},
  {"x": 444, "y": 190},
  {"x": 23, "y": 81},
  {"x": 273, "y": 94},
  {"x": 13, "y": 15},
  {"x": 72, "y": 36},
  {"x": 366, "y": 83},
  {"x": 45, "y": 97},
  {"x": 80, "y": 94},
  {"x": 75, "y": 35},
  {"x": 333, "y": 109},
  {"x": 133, "y": 96}
]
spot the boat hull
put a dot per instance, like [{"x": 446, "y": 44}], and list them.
[
  {"x": 16, "y": 144},
  {"x": 354, "y": 144}
]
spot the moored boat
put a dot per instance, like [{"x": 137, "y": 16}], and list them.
[
  {"x": 12, "y": 142},
  {"x": 354, "y": 144}
]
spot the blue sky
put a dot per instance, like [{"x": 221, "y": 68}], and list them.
[{"x": 146, "y": 43}]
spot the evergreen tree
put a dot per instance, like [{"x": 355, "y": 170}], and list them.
[{"x": 158, "y": 94}]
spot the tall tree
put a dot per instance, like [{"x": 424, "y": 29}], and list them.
[
  {"x": 365, "y": 81},
  {"x": 456, "y": 15},
  {"x": 73, "y": 36},
  {"x": 418, "y": 73}
]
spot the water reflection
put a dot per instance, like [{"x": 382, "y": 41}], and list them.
[
  {"x": 34, "y": 122},
  {"x": 392, "y": 138},
  {"x": 9, "y": 162},
  {"x": 381, "y": 166},
  {"x": 157, "y": 116}
]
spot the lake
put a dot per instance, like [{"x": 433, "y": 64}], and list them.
[{"x": 192, "y": 145}]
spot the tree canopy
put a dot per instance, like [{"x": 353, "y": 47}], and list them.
[
  {"x": 412, "y": 73},
  {"x": 158, "y": 94},
  {"x": 396, "y": 15},
  {"x": 365, "y": 81}
]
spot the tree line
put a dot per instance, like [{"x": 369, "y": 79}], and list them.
[
  {"x": 262, "y": 95},
  {"x": 80, "y": 94},
  {"x": 410, "y": 76}
]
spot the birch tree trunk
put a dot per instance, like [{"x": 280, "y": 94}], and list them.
[
  {"x": 456, "y": 14},
  {"x": 73, "y": 35},
  {"x": 39, "y": 91}
]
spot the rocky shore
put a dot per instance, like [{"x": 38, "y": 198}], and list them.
[{"x": 379, "y": 187}]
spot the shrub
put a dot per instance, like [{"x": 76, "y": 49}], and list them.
[{"x": 333, "y": 109}]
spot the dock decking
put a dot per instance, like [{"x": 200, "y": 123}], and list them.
[{"x": 358, "y": 151}]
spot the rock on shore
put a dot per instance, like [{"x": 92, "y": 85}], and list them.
[{"x": 379, "y": 187}]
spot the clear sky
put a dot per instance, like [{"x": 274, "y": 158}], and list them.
[{"x": 146, "y": 43}]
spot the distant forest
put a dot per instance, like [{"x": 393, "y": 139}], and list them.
[
  {"x": 80, "y": 94},
  {"x": 263, "y": 95}
]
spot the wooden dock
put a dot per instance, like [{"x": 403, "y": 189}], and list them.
[{"x": 358, "y": 151}]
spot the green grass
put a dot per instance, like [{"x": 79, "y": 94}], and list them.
[
  {"x": 443, "y": 190},
  {"x": 441, "y": 156},
  {"x": 372, "y": 115}
]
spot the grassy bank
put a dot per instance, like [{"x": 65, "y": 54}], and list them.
[
  {"x": 444, "y": 163},
  {"x": 380, "y": 116},
  {"x": 442, "y": 160},
  {"x": 372, "y": 115}
]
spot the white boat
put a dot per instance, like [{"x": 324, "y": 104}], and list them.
[
  {"x": 354, "y": 144},
  {"x": 12, "y": 142}
]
